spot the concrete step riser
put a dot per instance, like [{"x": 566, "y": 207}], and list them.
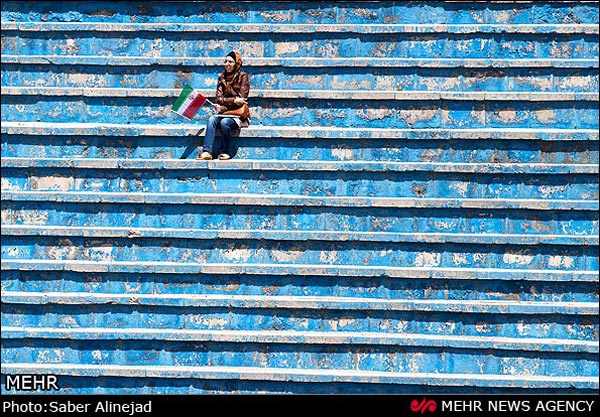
[
  {"x": 327, "y": 45},
  {"x": 298, "y": 285},
  {"x": 569, "y": 258},
  {"x": 310, "y": 12},
  {"x": 413, "y": 209},
  {"x": 240, "y": 217},
  {"x": 316, "y": 183},
  {"x": 310, "y": 112},
  {"x": 323, "y": 357},
  {"x": 451, "y": 323},
  {"x": 560, "y": 80},
  {"x": 317, "y": 149}
]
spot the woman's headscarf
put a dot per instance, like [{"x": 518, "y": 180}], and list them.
[{"x": 234, "y": 75}]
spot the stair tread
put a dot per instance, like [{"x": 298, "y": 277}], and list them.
[
  {"x": 298, "y": 200},
  {"x": 301, "y": 269},
  {"x": 119, "y": 129},
  {"x": 305, "y": 375},
  {"x": 304, "y": 62},
  {"x": 297, "y": 235},
  {"x": 308, "y": 337},
  {"x": 302, "y": 93},
  {"x": 301, "y": 165},
  {"x": 303, "y": 302},
  {"x": 270, "y": 27}
]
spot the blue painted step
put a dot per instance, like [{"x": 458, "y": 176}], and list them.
[
  {"x": 268, "y": 40},
  {"x": 425, "y": 359},
  {"x": 549, "y": 286},
  {"x": 550, "y": 146},
  {"x": 114, "y": 380},
  {"x": 413, "y": 77},
  {"x": 571, "y": 224},
  {"x": 498, "y": 318},
  {"x": 293, "y": 178},
  {"x": 245, "y": 250},
  {"x": 417, "y": 211},
  {"x": 366, "y": 13},
  {"x": 317, "y": 112}
]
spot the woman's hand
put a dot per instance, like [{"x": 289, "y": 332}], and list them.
[
  {"x": 239, "y": 101},
  {"x": 219, "y": 108}
]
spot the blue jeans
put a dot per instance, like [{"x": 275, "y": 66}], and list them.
[{"x": 228, "y": 125}]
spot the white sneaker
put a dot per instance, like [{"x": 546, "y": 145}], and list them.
[{"x": 205, "y": 156}]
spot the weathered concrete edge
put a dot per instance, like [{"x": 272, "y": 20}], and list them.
[
  {"x": 305, "y": 375},
  {"x": 311, "y": 62},
  {"x": 140, "y": 267},
  {"x": 299, "y": 235},
  {"x": 302, "y": 302},
  {"x": 304, "y": 337},
  {"x": 299, "y": 165},
  {"x": 299, "y": 200},
  {"x": 302, "y": 132},
  {"x": 310, "y": 94},
  {"x": 546, "y": 28}
]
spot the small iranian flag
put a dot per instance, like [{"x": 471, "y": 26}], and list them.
[{"x": 189, "y": 102}]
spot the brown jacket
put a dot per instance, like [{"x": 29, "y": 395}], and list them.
[{"x": 241, "y": 88}]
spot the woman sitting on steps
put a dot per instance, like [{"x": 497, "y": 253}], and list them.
[{"x": 233, "y": 87}]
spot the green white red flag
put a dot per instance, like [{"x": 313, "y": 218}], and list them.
[{"x": 189, "y": 102}]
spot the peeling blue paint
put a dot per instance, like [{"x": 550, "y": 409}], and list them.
[{"x": 413, "y": 208}]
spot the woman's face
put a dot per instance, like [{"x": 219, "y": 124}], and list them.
[{"x": 229, "y": 64}]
